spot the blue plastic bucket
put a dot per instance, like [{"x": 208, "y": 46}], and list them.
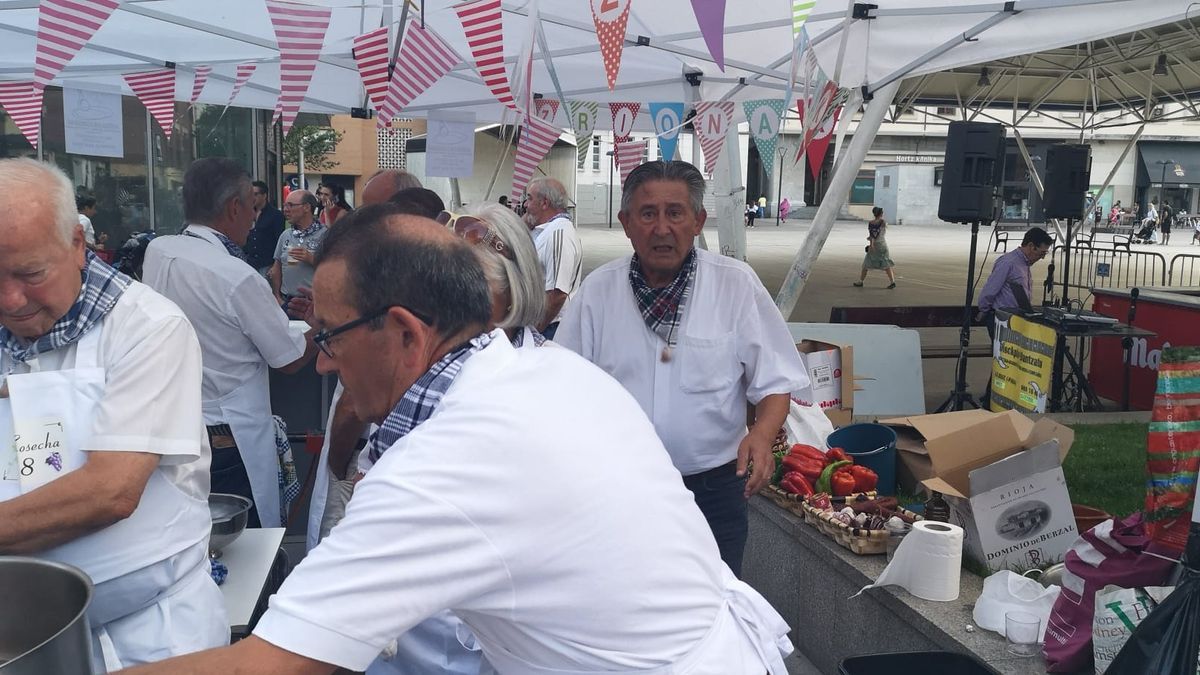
[{"x": 872, "y": 446}]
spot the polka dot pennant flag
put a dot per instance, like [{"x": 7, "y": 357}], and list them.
[
  {"x": 611, "y": 17},
  {"x": 546, "y": 109},
  {"x": 765, "y": 116},
  {"x": 583, "y": 122},
  {"x": 712, "y": 122},
  {"x": 623, "y": 116}
]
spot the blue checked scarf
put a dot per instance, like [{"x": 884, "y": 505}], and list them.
[
  {"x": 662, "y": 308},
  {"x": 102, "y": 287},
  {"x": 518, "y": 340},
  {"x": 421, "y": 399},
  {"x": 231, "y": 246}
]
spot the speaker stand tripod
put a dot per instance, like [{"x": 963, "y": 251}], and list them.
[{"x": 960, "y": 398}]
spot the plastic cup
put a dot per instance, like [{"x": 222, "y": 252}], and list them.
[{"x": 1022, "y": 633}]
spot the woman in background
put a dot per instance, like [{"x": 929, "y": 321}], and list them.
[
  {"x": 333, "y": 203},
  {"x": 878, "y": 257}
]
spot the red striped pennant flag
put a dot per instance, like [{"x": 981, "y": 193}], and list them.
[
  {"x": 299, "y": 33},
  {"x": 156, "y": 90},
  {"x": 546, "y": 109},
  {"x": 712, "y": 123},
  {"x": 23, "y": 103},
  {"x": 278, "y": 112},
  {"x": 536, "y": 139},
  {"x": 629, "y": 155},
  {"x": 484, "y": 28},
  {"x": 199, "y": 82},
  {"x": 64, "y": 27},
  {"x": 424, "y": 59},
  {"x": 371, "y": 55},
  {"x": 244, "y": 71}
]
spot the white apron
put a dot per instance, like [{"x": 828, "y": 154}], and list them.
[
  {"x": 747, "y": 636},
  {"x": 247, "y": 411},
  {"x": 154, "y": 597}
]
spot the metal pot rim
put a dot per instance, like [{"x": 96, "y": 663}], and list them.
[{"x": 89, "y": 591}]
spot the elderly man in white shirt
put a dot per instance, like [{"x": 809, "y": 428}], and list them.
[
  {"x": 105, "y": 374},
  {"x": 594, "y": 560},
  {"x": 242, "y": 330},
  {"x": 694, "y": 337},
  {"x": 558, "y": 248}
]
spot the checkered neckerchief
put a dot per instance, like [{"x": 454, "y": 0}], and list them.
[
  {"x": 421, "y": 399},
  {"x": 102, "y": 287},
  {"x": 518, "y": 340},
  {"x": 662, "y": 308}
]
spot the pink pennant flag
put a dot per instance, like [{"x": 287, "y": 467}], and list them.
[
  {"x": 23, "y": 103},
  {"x": 244, "y": 71},
  {"x": 536, "y": 139},
  {"x": 820, "y": 141},
  {"x": 199, "y": 82},
  {"x": 299, "y": 33},
  {"x": 711, "y": 124},
  {"x": 629, "y": 155},
  {"x": 546, "y": 109},
  {"x": 611, "y": 17},
  {"x": 484, "y": 28},
  {"x": 424, "y": 59},
  {"x": 64, "y": 27},
  {"x": 710, "y": 14},
  {"x": 371, "y": 55},
  {"x": 623, "y": 116},
  {"x": 156, "y": 90},
  {"x": 278, "y": 112}
]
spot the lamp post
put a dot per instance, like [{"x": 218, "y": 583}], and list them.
[
  {"x": 1162, "y": 183},
  {"x": 612, "y": 160},
  {"x": 779, "y": 192}
]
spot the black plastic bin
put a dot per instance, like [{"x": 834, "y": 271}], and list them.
[{"x": 915, "y": 663}]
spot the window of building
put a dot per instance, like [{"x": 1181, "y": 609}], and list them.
[
  {"x": 887, "y": 181},
  {"x": 595, "y": 153},
  {"x": 947, "y": 111},
  {"x": 645, "y": 152},
  {"x": 938, "y": 174},
  {"x": 863, "y": 189}
]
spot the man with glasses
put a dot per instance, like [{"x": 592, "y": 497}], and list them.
[
  {"x": 242, "y": 330},
  {"x": 295, "y": 251},
  {"x": 1012, "y": 268},
  {"x": 268, "y": 225}
]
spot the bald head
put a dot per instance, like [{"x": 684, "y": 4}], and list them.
[{"x": 381, "y": 186}]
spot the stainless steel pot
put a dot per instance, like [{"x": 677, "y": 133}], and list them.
[{"x": 43, "y": 618}]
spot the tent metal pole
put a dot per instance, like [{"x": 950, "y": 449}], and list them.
[
  {"x": 1037, "y": 180},
  {"x": 1120, "y": 160},
  {"x": 835, "y": 197}
]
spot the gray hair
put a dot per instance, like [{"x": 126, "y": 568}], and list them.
[
  {"x": 551, "y": 190},
  {"x": 523, "y": 279},
  {"x": 674, "y": 170},
  {"x": 29, "y": 176},
  {"x": 401, "y": 179},
  {"x": 208, "y": 186}
]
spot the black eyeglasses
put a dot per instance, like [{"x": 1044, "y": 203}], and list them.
[{"x": 322, "y": 337}]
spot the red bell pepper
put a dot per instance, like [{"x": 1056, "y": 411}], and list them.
[
  {"x": 838, "y": 455},
  {"x": 842, "y": 482},
  {"x": 865, "y": 479},
  {"x": 811, "y": 468},
  {"x": 808, "y": 452},
  {"x": 795, "y": 483}
]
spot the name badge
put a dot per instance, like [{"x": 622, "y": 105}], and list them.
[{"x": 40, "y": 446}]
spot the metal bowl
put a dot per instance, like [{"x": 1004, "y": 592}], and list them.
[
  {"x": 229, "y": 516},
  {"x": 43, "y": 618},
  {"x": 1053, "y": 576}
]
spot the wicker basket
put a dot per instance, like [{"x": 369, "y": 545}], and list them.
[{"x": 858, "y": 540}]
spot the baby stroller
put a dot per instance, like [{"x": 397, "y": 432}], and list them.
[{"x": 1148, "y": 234}]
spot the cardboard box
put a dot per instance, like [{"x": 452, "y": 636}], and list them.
[
  {"x": 912, "y": 461},
  {"x": 1002, "y": 476},
  {"x": 831, "y": 373}
]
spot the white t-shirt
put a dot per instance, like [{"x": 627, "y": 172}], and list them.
[
  {"x": 237, "y": 320},
  {"x": 89, "y": 232},
  {"x": 733, "y": 348},
  {"x": 539, "y": 506},
  {"x": 151, "y": 397},
  {"x": 561, "y": 253}
]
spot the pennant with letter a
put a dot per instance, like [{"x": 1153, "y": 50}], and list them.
[
  {"x": 370, "y": 52},
  {"x": 712, "y": 122},
  {"x": 546, "y": 109},
  {"x": 299, "y": 33},
  {"x": 629, "y": 155},
  {"x": 482, "y": 23},
  {"x": 583, "y": 122},
  {"x": 710, "y": 14},
  {"x": 765, "y": 118},
  {"x": 536, "y": 139},
  {"x": 424, "y": 59},
  {"x": 611, "y": 17},
  {"x": 623, "y": 116},
  {"x": 668, "y": 120},
  {"x": 201, "y": 79},
  {"x": 64, "y": 27},
  {"x": 23, "y": 103},
  {"x": 156, "y": 90}
]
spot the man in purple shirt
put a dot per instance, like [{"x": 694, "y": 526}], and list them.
[{"x": 1012, "y": 268}]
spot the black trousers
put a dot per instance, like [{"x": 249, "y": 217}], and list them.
[{"x": 227, "y": 474}]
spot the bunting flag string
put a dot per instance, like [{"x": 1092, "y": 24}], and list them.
[
  {"x": 712, "y": 123},
  {"x": 156, "y": 90},
  {"x": 820, "y": 141},
  {"x": 244, "y": 71},
  {"x": 816, "y": 114},
  {"x": 64, "y": 27},
  {"x": 23, "y": 103},
  {"x": 300, "y": 34},
  {"x": 371, "y": 56},
  {"x": 424, "y": 59},
  {"x": 537, "y": 137},
  {"x": 583, "y": 122},
  {"x": 484, "y": 29},
  {"x": 611, "y": 18},
  {"x": 629, "y": 154},
  {"x": 201, "y": 79},
  {"x": 546, "y": 109},
  {"x": 710, "y": 15},
  {"x": 623, "y": 116},
  {"x": 800, "y": 11},
  {"x": 765, "y": 118},
  {"x": 668, "y": 120}
]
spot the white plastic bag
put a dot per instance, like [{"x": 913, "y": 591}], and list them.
[
  {"x": 807, "y": 424},
  {"x": 1118, "y": 613},
  {"x": 1007, "y": 591}
]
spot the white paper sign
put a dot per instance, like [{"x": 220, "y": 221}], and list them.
[
  {"x": 450, "y": 144},
  {"x": 93, "y": 123}
]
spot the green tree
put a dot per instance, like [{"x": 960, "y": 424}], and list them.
[{"x": 318, "y": 144}]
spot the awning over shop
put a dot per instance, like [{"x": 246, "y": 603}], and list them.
[{"x": 1181, "y": 160}]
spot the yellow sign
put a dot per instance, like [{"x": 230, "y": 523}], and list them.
[{"x": 1022, "y": 365}]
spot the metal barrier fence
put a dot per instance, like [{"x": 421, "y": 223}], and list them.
[
  {"x": 1109, "y": 268},
  {"x": 1185, "y": 270}
]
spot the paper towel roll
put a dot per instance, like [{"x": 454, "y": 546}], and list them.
[{"x": 927, "y": 563}]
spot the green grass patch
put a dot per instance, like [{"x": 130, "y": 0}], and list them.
[{"x": 1107, "y": 467}]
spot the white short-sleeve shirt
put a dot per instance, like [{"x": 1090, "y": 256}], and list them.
[
  {"x": 561, "y": 253},
  {"x": 734, "y": 348}
]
